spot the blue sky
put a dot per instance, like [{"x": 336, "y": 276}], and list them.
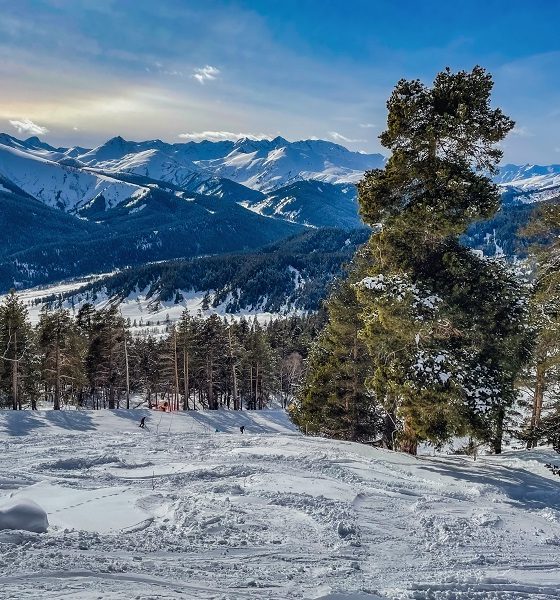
[{"x": 81, "y": 71}]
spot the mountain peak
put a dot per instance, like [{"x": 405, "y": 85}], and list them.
[
  {"x": 34, "y": 142},
  {"x": 115, "y": 141}
]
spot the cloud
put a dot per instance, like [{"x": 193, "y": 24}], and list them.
[
  {"x": 207, "y": 73},
  {"x": 219, "y": 136},
  {"x": 367, "y": 125},
  {"x": 27, "y": 126},
  {"x": 521, "y": 131},
  {"x": 338, "y": 137}
]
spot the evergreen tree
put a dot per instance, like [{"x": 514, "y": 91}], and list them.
[
  {"x": 444, "y": 327},
  {"x": 61, "y": 353},
  {"x": 543, "y": 371},
  {"x": 335, "y": 400},
  {"x": 17, "y": 356},
  {"x": 187, "y": 345}
]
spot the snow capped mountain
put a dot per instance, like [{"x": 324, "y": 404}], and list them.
[
  {"x": 131, "y": 202},
  {"x": 529, "y": 183},
  {"x": 74, "y": 178},
  {"x": 258, "y": 164},
  {"x": 267, "y": 165},
  {"x": 55, "y": 184},
  {"x": 528, "y": 173}
]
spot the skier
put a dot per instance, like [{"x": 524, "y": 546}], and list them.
[
  {"x": 242, "y": 428},
  {"x": 142, "y": 423}
]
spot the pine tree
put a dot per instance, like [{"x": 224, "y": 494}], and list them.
[
  {"x": 543, "y": 371},
  {"x": 62, "y": 354},
  {"x": 17, "y": 356},
  {"x": 187, "y": 344},
  {"x": 444, "y": 327},
  {"x": 335, "y": 399}
]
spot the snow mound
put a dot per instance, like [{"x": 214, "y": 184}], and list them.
[{"x": 24, "y": 515}]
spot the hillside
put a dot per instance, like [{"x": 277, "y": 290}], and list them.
[
  {"x": 288, "y": 276},
  {"x": 190, "y": 508},
  {"x": 153, "y": 226}
]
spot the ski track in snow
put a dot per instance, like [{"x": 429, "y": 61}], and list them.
[{"x": 180, "y": 510}]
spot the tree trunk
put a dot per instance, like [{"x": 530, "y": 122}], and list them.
[
  {"x": 176, "y": 372},
  {"x": 409, "y": 441},
  {"x": 14, "y": 384},
  {"x": 210, "y": 385},
  {"x": 354, "y": 433},
  {"x": 497, "y": 440},
  {"x": 233, "y": 373},
  {"x": 126, "y": 369},
  {"x": 56, "y": 403},
  {"x": 251, "y": 388},
  {"x": 186, "y": 379},
  {"x": 390, "y": 426},
  {"x": 537, "y": 406}
]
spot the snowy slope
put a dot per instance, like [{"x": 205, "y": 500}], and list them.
[
  {"x": 180, "y": 510},
  {"x": 529, "y": 183},
  {"x": 258, "y": 164},
  {"x": 518, "y": 173},
  {"x": 313, "y": 203},
  {"x": 63, "y": 177},
  {"x": 57, "y": 185}
]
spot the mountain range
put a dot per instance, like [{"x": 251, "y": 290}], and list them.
[{"x": 68, "y": 212}]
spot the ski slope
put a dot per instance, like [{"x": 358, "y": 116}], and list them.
[{"x": 191, "y": 508}]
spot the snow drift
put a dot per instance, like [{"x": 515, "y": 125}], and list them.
[{"x": 24, "y": 515}]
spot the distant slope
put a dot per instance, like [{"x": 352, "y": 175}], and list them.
[
  {"x": 314, "y": 203},
  {"x": 294, "y": 274},
  {"x": 153, "y": 226},
  {"x": 268, "y": 165},
  {"x": 26, "y": 223}
]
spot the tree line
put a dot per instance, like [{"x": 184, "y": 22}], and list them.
[{"x": 93, "y": 361}]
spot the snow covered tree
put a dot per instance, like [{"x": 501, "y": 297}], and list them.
[
  {"x": 444, "y": 327},
  {"x": 543, "y": 371}
]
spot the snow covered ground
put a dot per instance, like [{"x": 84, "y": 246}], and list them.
[
  {"x": 191, "y": 508},
  {"x": 151, "y": 315}
]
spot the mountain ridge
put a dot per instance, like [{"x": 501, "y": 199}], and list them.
[{"x": 129, "y": 202}]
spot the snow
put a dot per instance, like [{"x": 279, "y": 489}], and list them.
[
  {"x": 152, "y": 315},
  {"x": 57, "y": 185},
  {"x": 270, "y": 164},
  {"x": 23, "y": 514},
  {"x": 191, "y": 508}
]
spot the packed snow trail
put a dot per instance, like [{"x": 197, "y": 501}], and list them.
[{"x": 180, "y": 510}]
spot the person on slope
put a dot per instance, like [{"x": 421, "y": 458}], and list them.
[
  {"x": 242, "y": 429},
  {"x": 142, "y": 423}
]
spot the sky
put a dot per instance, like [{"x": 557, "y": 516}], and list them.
[{"x": 77, "y": 72}]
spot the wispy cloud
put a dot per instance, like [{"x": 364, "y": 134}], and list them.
[
  {"x": 338, "y": 137},
  {"x": 367, "y": 125},
  {"x": 207, "y": 73},
  {"x": 28, "y": 127},
  {"x": 521, "y": 131},
  {"x": 218, "y": 136}
]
